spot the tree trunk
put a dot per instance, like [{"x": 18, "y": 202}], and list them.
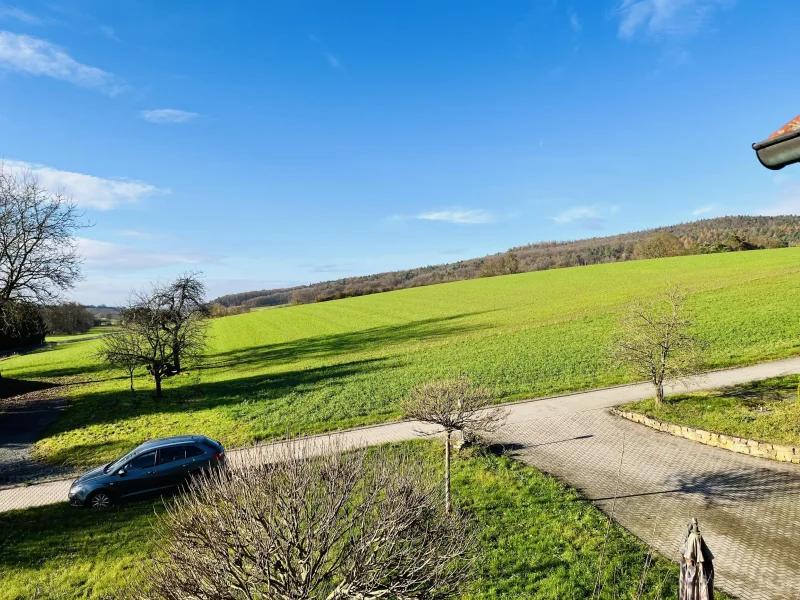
[
  {"x": 659, "y": 394},
  {"x": 130, "y": 373},
  {"x": 157, "y": 377},
  {"x": 447, "y": 473},
  {"x": 176, "y": 357}
]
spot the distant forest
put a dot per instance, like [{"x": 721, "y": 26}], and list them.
[{"x": 723, "y": 234}]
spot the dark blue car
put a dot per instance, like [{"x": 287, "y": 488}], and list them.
[{"x": 156, "y": 466}]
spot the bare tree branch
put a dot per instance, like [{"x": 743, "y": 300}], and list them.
[
  {"x": 455, "y": 405},
  {"x": 359, "y": 525},
  {"x": 38, "y": 249},
  {"x": 656, "y": 340}
]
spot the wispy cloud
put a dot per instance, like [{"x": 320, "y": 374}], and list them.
[
  {"x": 12, "y": 12},
  {"x": 458, "y": 215},
  {"x": 703, "y": 210},
  {"x": 334, "y": 61},
  {"x": 34, "y": 56},
  {"x": 108, "y": 255},
  {"x": 663, "y": 18},
  {"x": 168, "y": 115},
  {"x": 87, "y": 190},
  {"x": 141, "y": 235},
  {"x": 589, "y": 217},
  {"x": 328, "y": 267},
  {"x": 574, "y": 21}
]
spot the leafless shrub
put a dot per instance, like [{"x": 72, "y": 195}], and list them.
[
  {"x": 124, "y": 350},
  {"x": 656, "y": 340},
  {"x": 356, "y": 525},
  {"x": 454, "y": 405}
]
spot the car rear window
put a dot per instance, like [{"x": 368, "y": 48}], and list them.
[
  {"x": 193, "y": 451},
  {"x": 171, "y": 454}
]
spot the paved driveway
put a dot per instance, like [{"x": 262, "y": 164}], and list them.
[{"x": 747, "y": 507}]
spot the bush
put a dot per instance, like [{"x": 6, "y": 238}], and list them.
[
  {"x": 68, "y": 319},
  {"x": 660, "y": 245},
  {"x": 21, "y": 324}
]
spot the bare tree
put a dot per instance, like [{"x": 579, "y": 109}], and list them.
[
  {"x": 357, "y": 525},
  {"x": 657, "y": 341},
  {"x": 183, "y": 308},
  {"x": 124, "y": 350},
  {"x": 159, "y": 329},
  {"x": 142, "y": 324},
  {"x": 455, "y": 405},
  {"x": 38, "y": 249}
]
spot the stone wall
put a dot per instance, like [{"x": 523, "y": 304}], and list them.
[{"x": 781, "y": 452}]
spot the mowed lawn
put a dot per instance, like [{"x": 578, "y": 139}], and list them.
[
  {"x": 349, "y": 362},
  {"x": 538, "y": 539},
  {"x": 767, "y": 410}
]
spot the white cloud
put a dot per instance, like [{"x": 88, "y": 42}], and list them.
[
  {"x": 789, "y": 206},
  {"x": 589, "y": 217},
  {"x": 87, "y": 190},
  {"x": 140, "y": 235},
  {"x": 574, "y": 21},
  {"x": 662, "y": 18},
  {"x": 27, "y": 54},
  {"x": 12, "y": 12},
  {"x": 458, "y": 215},
  {"x": 108, "y": 255},
  {"x": 703, "y": 210},
  {"x": 168, "y": 115},
  {"x": 333, "y": 61}
]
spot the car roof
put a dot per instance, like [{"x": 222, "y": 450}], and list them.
[{"x": 166, "y": 441}]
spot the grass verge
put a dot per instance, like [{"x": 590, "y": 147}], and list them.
[
  {"x": 765, "y": 410},
  {"x": 538, "y": 539}
]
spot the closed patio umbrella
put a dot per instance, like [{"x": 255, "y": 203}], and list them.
[
  {"x": 782, "y": 147},
  {"x": 697, "y": 569}
]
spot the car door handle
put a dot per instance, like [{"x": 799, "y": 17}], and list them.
[{"x": 150, "y": 472}]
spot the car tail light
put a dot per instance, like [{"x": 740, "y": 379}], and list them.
[{"x": 220, "y": 456}]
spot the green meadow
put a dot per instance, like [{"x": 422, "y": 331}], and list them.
[
  {"x": 767, "y": 410},
  {"x": 345, "y": 363},
  {"x": 538, "y": 539}
]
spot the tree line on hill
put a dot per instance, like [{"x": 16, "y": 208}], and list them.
[{"x": 723, "y": 234}]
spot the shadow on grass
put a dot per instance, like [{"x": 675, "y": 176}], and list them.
[
  {"x": 16, "y": 387},
  {"x": 344, "y": 343},
  {"x": 112, "y": 407},
  {"x": 59, "y": 532},
  {"x": 104, "y": 407}
]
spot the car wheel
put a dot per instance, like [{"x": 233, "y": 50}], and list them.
[{"x": 99, "y": 500}]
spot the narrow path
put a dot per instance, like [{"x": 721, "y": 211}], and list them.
[
  {"x": 747, "y": 507},
  {"x": 23, "y": 420}
]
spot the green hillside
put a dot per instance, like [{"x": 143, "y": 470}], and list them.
[{"x": 338, "y": 364}]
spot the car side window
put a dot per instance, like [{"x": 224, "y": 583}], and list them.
[
  {"x": 171, "y": 454},
  {"x": 143, "y": 461},
  {"x": 192, "y": 451}
]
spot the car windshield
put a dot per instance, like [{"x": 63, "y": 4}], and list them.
[{"x": 111, "y": 467}]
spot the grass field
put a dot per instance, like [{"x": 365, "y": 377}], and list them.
[
  {"x": 339, "y": 364},
  {"x": 93, "y": 332},
  {"x": 761, "y": 410},
  {"x": 538, "y": 539}
]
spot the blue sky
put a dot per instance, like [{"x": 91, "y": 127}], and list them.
[{"x": 277, "y": 143}]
